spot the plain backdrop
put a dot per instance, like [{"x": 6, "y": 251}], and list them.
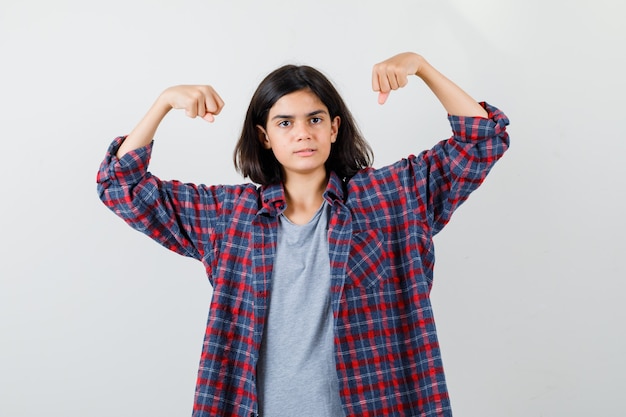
[{"x": 97, "y": 320}]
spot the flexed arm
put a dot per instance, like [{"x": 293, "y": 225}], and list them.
[
  {"x": 393, "y": 73},
  {"x": 197, "y": 101},
  {"x": 179, "y": 216},
  {"x": 445, "y": 175}
]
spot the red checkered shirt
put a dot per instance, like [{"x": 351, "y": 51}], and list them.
[{"x": 380, "y": 232}]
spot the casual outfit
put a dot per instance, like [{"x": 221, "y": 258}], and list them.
[{"x": 368, "y": 309}]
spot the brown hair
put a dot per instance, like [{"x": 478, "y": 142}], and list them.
[{"x": 348, "y": 154}]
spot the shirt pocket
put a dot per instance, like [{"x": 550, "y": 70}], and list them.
[{"x": 367, "y": 263}]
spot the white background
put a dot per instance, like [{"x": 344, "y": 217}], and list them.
[{"x": 96, "y": 320}]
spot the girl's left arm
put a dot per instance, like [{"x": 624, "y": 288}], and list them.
[{"x": 444, "y": 176}]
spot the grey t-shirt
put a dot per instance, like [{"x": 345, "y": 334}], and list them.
[{"x": 296, "y": 372}]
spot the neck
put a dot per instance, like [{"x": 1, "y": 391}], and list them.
[{"x": 304, "y": 195}]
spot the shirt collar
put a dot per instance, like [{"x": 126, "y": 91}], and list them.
[
  {"x": 334, "y": 189},
  {"x": 273, "y": 195}
]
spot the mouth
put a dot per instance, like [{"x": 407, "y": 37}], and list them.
[{"x": 305, "y": 152}]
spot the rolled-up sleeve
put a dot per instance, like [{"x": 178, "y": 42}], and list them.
[
  {"x": 179, "y": 216},
  {"x": 455, "y": 167},
  {"x": 127, "y": 171}
]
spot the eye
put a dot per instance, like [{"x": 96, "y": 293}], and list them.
[
  {"x": 316, "y": 120},
  {"x": 284, "y": 123}
]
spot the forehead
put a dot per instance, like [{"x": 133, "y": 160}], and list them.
[{"x": 299, "y": 102}]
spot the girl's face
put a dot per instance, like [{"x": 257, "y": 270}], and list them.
[{"x": 300, "y": 132}]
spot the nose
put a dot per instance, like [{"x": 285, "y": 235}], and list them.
[{"x": 302, "y": 131}]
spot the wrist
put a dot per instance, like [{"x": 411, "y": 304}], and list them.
[
  {"x": 423, "y": 67},
  {"x": 162, "y": 104}
]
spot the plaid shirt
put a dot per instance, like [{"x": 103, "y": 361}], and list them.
[{"x": 380, "y": 234}]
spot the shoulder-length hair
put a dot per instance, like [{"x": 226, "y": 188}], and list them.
[{"x": 348, "y": 154}]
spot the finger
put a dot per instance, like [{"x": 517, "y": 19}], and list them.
[
  {"x": 214, "y": 105},
  {"x": 209, "y": 117},
  {"x": 403, "y": 80},
  {"x": 392, "y": 78},
  {"x": 213, "y": 102},
  {"x": 220, "y": 104},
  {"x": 383, "y": 83},
  {"x": 382, "y": 97},
  {"x": 375, "y": 82},
  {"x": 201, "y": 107},
  {"x": 191, "y": 110}
]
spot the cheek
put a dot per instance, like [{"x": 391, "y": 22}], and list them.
[{"x": 280, "y": 153}]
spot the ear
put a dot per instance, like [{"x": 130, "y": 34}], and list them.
[
  {"x": 334, "y": 128},
  {"x": 263, "y": 138}
]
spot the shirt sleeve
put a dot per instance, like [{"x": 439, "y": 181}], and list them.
[
  {"x": 181, "y": 217},
  {"x": 455, "y": 167}
]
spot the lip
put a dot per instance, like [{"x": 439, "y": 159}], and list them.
[{"x": 305, "y": 152}]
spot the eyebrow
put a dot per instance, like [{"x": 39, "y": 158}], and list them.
[{"x": 288, "y": 116}]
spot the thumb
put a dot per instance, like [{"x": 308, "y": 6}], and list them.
[
  {"x": 209, "y": 117},
  {"x": 382, "y": 97}
]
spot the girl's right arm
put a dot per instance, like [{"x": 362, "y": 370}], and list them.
[
  {"x": 181, "y": 217},
  {"x": 197, "y": 101}
]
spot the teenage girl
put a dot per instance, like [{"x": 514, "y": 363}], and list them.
[{"x": 321, "y": 268}]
